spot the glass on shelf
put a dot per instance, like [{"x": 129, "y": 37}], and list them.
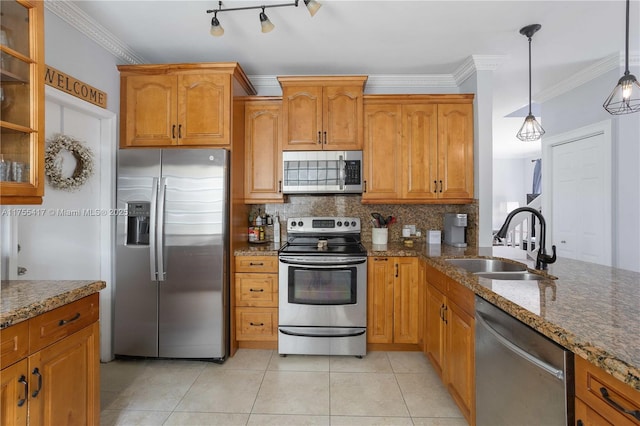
[
  {"x": 14, "y": 31},
  {"x": 15, "y": 157}
]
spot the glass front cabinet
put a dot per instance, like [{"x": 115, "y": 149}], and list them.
[{"x": 22, "y": 102}]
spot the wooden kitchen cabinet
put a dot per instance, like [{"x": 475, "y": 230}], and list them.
[
  {"x": 393, "y": 305},
  {"x": 322, "y": 113},
  {"x": 449, "y": 338},
  {"x": 593, "y": 408},
  {"x": 418, "y": 149},
  {"x": 179, "y": 104},
  {"x": 256, "y": 301},
  {"x": 263, "y": 151},
  {"x": 59, "y": 372},
  {"x": 22, "y": 119}
]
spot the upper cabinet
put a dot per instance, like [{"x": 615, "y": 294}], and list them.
[
  {"x": 22, "y": 102},
  {"x": 263, "y": 150},
  {"x": 179, "y": 104},
  {"x": 418, "y": 149},
  {"x": 322, "y": 113}
]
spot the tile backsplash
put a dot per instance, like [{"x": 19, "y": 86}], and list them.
[{"x": 424, "y": 216}]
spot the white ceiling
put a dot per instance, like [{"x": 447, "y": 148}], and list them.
[{"x": 388, "y": 38}]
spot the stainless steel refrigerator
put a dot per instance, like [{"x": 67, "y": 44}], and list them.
[{"x": 172, "y": 284}]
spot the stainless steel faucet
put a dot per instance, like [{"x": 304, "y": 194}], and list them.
[{"x": 543, "y": 259}]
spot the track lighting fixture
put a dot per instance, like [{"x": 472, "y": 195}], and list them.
[
  {"x": 625, "y": 97},
  {"x": 531, "y": 130},
  {"x": 216, "y": 29}
]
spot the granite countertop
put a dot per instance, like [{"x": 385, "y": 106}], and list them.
[
  {"x": 592, "y": 310},
  {"x": 24, "y": 299},
  {"x": 251, "y": 249}
]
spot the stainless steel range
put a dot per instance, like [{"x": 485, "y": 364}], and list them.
[{"x": 323, "y": 288}]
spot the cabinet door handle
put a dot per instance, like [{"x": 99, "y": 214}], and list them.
[
  {"x": 605, "y": 395},
  {"x": 440, "y": 186},
  {"x": 365, "y": 186},
  {"x": 441, "y": 308},
  {"x": 444, "y": 314},
  {"x": 319, "y": 137},
  {"x": 256, "y": 290},
  {"x": 23, "y": 381},
  {"x": 173, "y": 131},
  {"x": 256, "y": 264},
  {"x": 435, "y": 186},
  {"x": 580, "y": 423},
  {"x": 396, "y": 270},
  {"x": 325, "y": 138},
  {"x": 72, "y": 319},
  {"x": 36, "y": 373},
  {"x": 256, "y": 324},
  {"x": 280, "y": 187},
  {"x": 180, "y": 133}
]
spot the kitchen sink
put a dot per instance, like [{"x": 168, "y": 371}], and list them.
[
  {"x": 487, "y": 265},
  {"x": 513, "y": 276}
]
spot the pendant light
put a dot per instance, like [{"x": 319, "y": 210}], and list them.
[
  {"x": 625, "y": 97},
  {"x": 265, "y": 23},
  {"x": 531, "y": 130}
]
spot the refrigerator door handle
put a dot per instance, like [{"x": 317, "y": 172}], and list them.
[
  {"x": 152, "y": 230},
  {"x": 162, "y": 274}
]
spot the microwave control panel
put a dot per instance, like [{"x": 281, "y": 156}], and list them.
[{"x": 352, "y": 172}]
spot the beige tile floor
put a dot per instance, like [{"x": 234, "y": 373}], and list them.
[{"x": 258, "y": 387}]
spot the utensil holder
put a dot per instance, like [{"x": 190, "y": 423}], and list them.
[{"x": 379, "y": 235}]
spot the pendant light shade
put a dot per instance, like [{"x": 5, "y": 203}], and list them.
[
  {"x": 531, "y": 130},
  {"x": 313, "y": 6},
  {"x": 625, "y": 98},
  {"x": 216, "y": 29}
]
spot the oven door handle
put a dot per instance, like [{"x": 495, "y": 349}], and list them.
[
  {"x": 327, "y": 264},
  {"x": 351, "y": 332}
]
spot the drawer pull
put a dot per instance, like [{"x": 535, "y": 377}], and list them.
[
  {"x": 23, "y": 380},
  {"x": 605, "y": 395},
  {"x": 256, "y": 264},
  {"x": 74, "y": 318},
  {"x": 36, "y": 373},
  {"x": 257, "y": 290},
  {"x": 256, "y": 324}
]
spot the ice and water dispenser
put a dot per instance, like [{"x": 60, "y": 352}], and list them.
[{"x": 138, "y": 217}]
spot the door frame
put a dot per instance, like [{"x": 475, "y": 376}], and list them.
[
  {"x": 107, "y": 158},
  {"x": 600, "y": 128}
]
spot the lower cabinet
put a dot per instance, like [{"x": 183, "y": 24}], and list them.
[
  {"x": 57, "y": 383},
  {"x": 603, "y": 400},
  {"x": 256, "y": 301},
  {"x": 449, "y": 337},
  {"x": 393, "y": 302}
]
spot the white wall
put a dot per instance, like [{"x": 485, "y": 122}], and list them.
[
  {"x": 583, "y": 106},
  {"x": 508, "y": 187}
]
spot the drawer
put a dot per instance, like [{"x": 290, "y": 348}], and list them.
[
  {"x": 590, "y": 383},
  {"x": 257, "y": 264},
  {"x": 14, "y": 343},
  {"x": 436, "y": 279},
  {"x": 257, "y": 324},
  {"x": 256, "y": 290},
  {"x": 59, "y": 323},
  {"x": 462, "y": 296}
]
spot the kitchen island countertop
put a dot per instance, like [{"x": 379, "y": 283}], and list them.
[
  {"x": 592, "y": 310},
  {"x": 21, "y": 300}
]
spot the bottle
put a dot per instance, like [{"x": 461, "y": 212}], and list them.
[
  {"x": 276, "y": 228},
  {"x": 258, "y": 219},
  {"x": 261, "y": 237}
]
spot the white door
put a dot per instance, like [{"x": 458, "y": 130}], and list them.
[{"x": 580, "y": 194}]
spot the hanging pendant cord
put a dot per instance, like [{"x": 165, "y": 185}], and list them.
[
  {"x": 626, "y": 45},
  {"x": 530, "y": 75}
]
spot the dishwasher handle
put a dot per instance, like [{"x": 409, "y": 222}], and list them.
[{"x": 559, "y": 374}]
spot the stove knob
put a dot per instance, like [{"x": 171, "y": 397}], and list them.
[
  {"x": 339, "y": 223},
  {"x": 346, "y": 223},
  {"x": 353, "y": 223},
  {"x": 300, "y": 223},
  {"x": 293, "y": 223}
]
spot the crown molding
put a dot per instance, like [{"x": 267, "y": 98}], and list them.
[
  {"x": 598, "y": 68},
  {"x": 475, "y": 63},
  {"x": 78, "y": 19}
]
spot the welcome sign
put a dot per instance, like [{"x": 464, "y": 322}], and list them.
[{"x": 77, "y": 88}]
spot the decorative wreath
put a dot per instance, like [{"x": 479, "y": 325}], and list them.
[{"x": 53, "y": 163}]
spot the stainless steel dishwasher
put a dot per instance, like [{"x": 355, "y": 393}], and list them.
[{"x": 522, "y": 377}]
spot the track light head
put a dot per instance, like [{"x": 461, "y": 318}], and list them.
[
  {"x": 265, "y": 23},
  {"x": 313, "y": 6},
  {"x": 216, "y": 29}
]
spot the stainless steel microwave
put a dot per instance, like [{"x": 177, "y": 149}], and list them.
[{"x": 322, "y": 172}]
